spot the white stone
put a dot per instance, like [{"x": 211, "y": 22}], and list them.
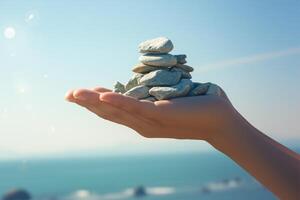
[
  {"x": 156, "y": 45},
  {"x": 181, "y": 58},
  {"x": 214, "y": 90},
  {"x": 160, "y": 78},
  {"x": 199, "y": 89},
  {"x": 138, "y": 92},
  {"x": 133, "y": 81},
  {"x": 143, "y": 69},
  {"x": 150, "y": 99},
  {"x": 179, "y": 90},
  {"x": 119, "y": 87},
  {"x": 159, "y": 60},
  {"x": 185, "y": 67},
  {"x": 184, "y": 74}
]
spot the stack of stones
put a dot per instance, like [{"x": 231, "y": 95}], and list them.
[{"x": 161, "y": 75}]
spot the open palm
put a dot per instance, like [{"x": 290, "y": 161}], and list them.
[{"x": 198, "y": 117}]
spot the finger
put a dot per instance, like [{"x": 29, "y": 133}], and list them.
[
  {"x": 117, "y": 115},
  {"x": 85, "y": 96},
  {"x": 129, "y": 104},
  {"x": 114, "y": 114},
  {"x": 91, "y": 100},
  {"x": 101, "y": 89},
  {"x": 111, "y": 113},
  {"x": 69, "y": 96}
]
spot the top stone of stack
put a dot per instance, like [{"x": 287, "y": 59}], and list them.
[{"x": 156, "y": 46}]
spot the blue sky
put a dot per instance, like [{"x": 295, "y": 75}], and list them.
[{"x": 250, "y": 48}]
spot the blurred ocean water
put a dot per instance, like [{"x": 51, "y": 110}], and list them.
[{"x": 184, "y": 176}]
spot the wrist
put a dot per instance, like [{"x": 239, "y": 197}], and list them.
[{"x": 231, "y": 134}]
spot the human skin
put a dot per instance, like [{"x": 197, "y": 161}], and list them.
[{"x": 209, "y": 117}]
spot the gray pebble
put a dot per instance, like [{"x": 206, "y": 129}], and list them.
[
  {"x": 119, "y": 87},
  {"x": 160, "y": 60},
  {"x": 184, "y": 74},
  {"x": 214, "y": 90},
  {"x": 156, "y": 45},
  {"x": 179, "y": 90},
  {"x": 160, "y": 78},
  {"x": 150, "y": 99},
  {"x": 181, "y": 59},
  {"x": 143, "y": 69},
  {"x": 185, "y": 67},
  {"x": 133, "y": 81},
  {"x": 199, "y": 89},
  {"x": 138, "y": 92}
]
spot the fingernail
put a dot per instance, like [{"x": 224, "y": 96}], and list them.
[{"x": 79, "y": 97}]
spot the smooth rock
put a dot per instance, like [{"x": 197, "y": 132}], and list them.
[
  {"x": 185, "y": 67},
  {"x": 133, "y": 81},
  {"x": 156, "y": 45},
  {"x": 199, "y": 89},
  {"x": 181, "y": 59},
  {"x": 150, "y": 99},
  {"x": 119, "y": 87},
  {"x": 160, "y": 60},
  {"x": 179, "y": 90},
  {"x": 160, "y": 78},
  {"x": 184, "y": 74},
  {"x": 143, "y": 69},
  {"x": 138, "y": 92},
  {"x": 214, "y": 90}
]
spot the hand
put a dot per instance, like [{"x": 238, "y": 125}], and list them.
[
  {"x": 202, "y": 117},
  {"x": 208, "y": 117}
]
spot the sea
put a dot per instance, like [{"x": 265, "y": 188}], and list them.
[{"x": 182, "y": 176}]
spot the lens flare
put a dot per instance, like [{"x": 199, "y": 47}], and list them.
[{"x": 9, "y": 33}]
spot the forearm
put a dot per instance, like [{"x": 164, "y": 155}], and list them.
[{"x": 272, "y": 164}]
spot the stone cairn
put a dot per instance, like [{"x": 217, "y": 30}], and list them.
[{"x": 161, "y": 76}]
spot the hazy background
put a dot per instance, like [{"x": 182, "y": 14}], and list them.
[{"x": 250, "y": 48}]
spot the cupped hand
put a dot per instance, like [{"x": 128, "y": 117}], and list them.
[{"x": 200, "y": 117}]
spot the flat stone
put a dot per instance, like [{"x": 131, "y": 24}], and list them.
[
  {"x": 199, "y": 89},
  {"x": 143, "y": 69},
  {"x": 133, "y": 81},
  {"x": 150, "y": 99},
  {"x": 214, "y": 90},
  {"x": 185, "y": 67},
  {"x": 184, "y": 74},
  {"x": 179, "y": 90},
  {"x": 181, "y": 58},
  {"x": 119, "y": 87},
  {"x": 156, "y": 45},
  {"x": 138, "y": 92},
  {"x": 160, "y": 78},
  {"x": 159, "y": 60}
]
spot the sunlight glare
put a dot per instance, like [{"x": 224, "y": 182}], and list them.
[
  {"x": 31, "y": 17},
  {"x": 22, "y": 88},
  {"x": 52, "y": 129},
  {"x": 9, "y": 33}
]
